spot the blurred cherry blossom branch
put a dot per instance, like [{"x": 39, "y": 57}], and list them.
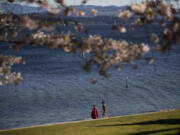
[{"x": 105, "y": 53}]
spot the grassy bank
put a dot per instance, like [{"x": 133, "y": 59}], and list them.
[{"x": 161, "y": 123}]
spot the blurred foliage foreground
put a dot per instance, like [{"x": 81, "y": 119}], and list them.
[{"x": 102, "y": 53}]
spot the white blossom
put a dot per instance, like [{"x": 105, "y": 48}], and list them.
[
  {"x": 154, "y": 38},
  {"x": 61, "y": 2},
  {"x": 165, "y": 10},
  {"x": 121, "y": 28},
  {"x": 126, "y": 14},
  {"x": 138, "y": 8},
  {"x": 145, "y": 48},
  {"x": 94, "y": 11},
  {"x": 80, "y": 13},
  {"x": 29, "y": 23}
]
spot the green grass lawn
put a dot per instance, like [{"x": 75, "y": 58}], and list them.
[{"x": 161, "y": 123}]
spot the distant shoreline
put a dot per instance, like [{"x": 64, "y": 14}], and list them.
[{"x": 78, "y": 121}]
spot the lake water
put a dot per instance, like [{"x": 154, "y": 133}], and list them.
[{"x": 56, "y": 89}]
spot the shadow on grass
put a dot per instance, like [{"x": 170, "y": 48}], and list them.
[
  {"x": 166, "y": 121},
  {"x": 158, "y": 131}
]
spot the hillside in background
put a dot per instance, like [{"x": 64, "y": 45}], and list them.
[
  {"x": 25, "y": 9},
  {"x": 106, "y": 14}
]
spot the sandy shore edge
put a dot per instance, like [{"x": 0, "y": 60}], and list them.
[{"x": 78, "y": 121}]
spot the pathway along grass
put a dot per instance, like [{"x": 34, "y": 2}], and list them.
[{"x": 161, "y": 123}]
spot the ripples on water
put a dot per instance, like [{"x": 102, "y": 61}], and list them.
[{"x": 55, "y": 89}]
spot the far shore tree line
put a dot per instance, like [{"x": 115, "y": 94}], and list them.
[{"x": 105, "y": 53}]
